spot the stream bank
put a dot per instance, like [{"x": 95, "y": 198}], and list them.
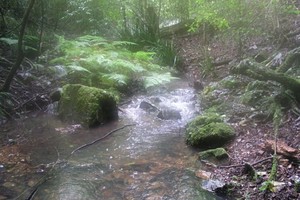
[{"x": 223, "y": 94}]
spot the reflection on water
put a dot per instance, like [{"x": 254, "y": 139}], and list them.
[{"x": 147, "y": 161}]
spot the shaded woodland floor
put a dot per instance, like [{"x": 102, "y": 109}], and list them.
[{"x": 252, "y": 144}]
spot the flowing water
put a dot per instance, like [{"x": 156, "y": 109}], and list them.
[{"x": 148, "y": 160}]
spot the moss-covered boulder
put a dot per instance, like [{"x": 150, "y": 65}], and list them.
[
  {"x": 208, "y": 130},
  {"x": 218, "y": 153},
  {"x": 87, "y": 105}
]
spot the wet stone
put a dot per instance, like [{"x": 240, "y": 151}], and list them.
[
  {"x": 144, "y": 105},
  {"x": 203, "y": 174},
  {"x": 169, "y": 114},
  {"x": 212, "y": 185}
]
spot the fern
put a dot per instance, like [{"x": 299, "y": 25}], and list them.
[
  {"x": 76, "y": 68},
  {"x": 157, "y": 79},
  {"x": 9, "y": 41},
  {"x": 123, "y": 43},
  {"x": 118, "y": 79},
  {"x": 107, "y": 62},
  {"x": 144, "y": 56}
]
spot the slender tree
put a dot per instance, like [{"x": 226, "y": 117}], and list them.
[{"x": 20, "y": 53}]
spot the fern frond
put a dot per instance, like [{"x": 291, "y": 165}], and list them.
[
  {"x": 157, "y": 79},
  {"x": 76, "y": 68},
  {"x": 91, "y": 38},
  {"x": 120, "y": 79},
  {"x": 123, "y": 43},
  {"x": 126, "y": 66},
  {"x": 9, "y": 41},
  {"x": 144, "y": 56}
]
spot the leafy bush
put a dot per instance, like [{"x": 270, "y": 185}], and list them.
[{"x": 95, "y": 61}]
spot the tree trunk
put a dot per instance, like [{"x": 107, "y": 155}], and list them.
[
  {"x": 20, "y": 54},
  {"x": 42, "y": 27},
  {"x": 259, "y": 72},
  {"x": 3, "y": 24}
]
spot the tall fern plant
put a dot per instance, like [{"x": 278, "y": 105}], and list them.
[{"x": 95, "y": 61}]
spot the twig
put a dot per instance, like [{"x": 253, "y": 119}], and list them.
[
  {"x": 41, "y": 181},
  {"x": 242, "y": 165},
  {"x": 101, "y": 138}
]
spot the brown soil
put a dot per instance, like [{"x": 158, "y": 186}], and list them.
[{"x": 250, "y": 144}]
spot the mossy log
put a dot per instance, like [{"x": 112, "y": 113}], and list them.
[
  {"x": 258, "y": 71},
  {"x": 179, "y": 28},
  {"x": 292, "y": 57}
]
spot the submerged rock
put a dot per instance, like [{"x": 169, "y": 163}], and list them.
[
  {"x": 144, "y": 105},
  {"x": 208, "y": 130},
  {"x": 169, "y": 113},
  {"x": 218, "y": 153},
  {"x": 87, "y": 105}
]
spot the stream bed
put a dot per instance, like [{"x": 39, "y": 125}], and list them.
[{"x": 149, "y": 160}]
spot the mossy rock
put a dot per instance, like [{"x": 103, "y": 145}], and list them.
[
  {"x": 218, "y": 153},
  {"x": 208, "y": 130},
  {"x": 87, "y": 105}
]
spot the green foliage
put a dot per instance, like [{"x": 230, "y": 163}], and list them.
[
  {"x": 95, "y": 61},
  {"x": 240, "y": 20},
  {"x": 209, "y": 12},
  {"x": 267, "y": 186},
  {"x": 9, "y": 41},
  {"x": 165, "y": 53},
  {"x": 157, "y": 79},
  {"x": 207, "y": 67}
]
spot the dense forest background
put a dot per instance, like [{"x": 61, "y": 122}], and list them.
[
  {"x": 249, "y": 48},
  {"x": 34, "y": 31}
]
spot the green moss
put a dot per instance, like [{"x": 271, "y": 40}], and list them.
[
  {"x": 252, "y": 97},
  {"x": 258, "y": 85},
  {"x": 230, "y": 82},
  {"x": 218, "y": 153},
  {"x": 87, "y": 105},
  {"x": 208, "y": 130},
  {"x": 206, "y": 118}
]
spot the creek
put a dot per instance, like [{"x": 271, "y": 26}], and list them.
[{"x": 149, "y": 160}]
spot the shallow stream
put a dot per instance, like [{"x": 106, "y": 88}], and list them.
[{"x": 149, "y": 160}]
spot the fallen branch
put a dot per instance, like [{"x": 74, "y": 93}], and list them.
[
  {"x": 220, "y": 63},
  {"x": 242, "y": 165},
  {"x": 259, "y": 72},
  {"x": 101, "y": 138},
  {"x": 40, "y": 182},
  {"x": 43, "y": 179}
]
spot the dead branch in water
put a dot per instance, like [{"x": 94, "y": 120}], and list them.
[
  {"x": 42, "y": 180},
  {"x": 101, "y": 138}
]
